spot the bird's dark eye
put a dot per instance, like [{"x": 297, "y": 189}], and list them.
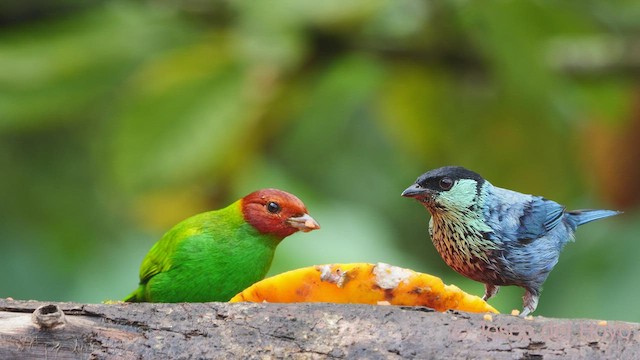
[
  {"x": 446, "y": 183},
  {"x": 273, "y": 207}
]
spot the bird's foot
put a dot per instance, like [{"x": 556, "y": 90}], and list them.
[
  {"x": 489, "y": 291},
  {"x": 530, "y": 302}
]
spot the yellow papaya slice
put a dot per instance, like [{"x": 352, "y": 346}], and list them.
[{"x": 362, "y": 283}]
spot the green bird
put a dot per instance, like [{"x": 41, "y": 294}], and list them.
[{"x": 214, "y": 255}]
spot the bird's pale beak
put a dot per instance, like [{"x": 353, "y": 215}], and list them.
[
  {"x": 415, "y": 190},
  {"x": 303, "y": 223}
]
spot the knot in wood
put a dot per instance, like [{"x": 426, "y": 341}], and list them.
[{"x": 48, "y": 317}]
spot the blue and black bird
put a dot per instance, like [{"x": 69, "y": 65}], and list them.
[{"x": 493, "y": 235}]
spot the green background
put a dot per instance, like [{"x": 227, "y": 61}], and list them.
[{"x": 120, "y": 118}]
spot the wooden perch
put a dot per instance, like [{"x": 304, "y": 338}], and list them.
[{"x": 49, "y": 330}]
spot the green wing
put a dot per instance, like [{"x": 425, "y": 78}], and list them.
[
  {"x": 160, "y": 258},
  {"x": 162, "y": 255}
]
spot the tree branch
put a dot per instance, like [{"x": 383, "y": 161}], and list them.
[{"x": 304, "y": 330}]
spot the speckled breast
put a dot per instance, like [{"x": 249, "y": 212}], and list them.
[{"x": 465, "y": 251}]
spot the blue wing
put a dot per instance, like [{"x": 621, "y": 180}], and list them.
[
  {"x": 519, "y": 217},
  {"x": 538, "y": 218}
]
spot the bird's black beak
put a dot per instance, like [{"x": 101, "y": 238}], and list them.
[{"x": 415, "y": 190}]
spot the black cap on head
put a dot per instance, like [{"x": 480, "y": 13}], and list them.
[
  {"x": 441, "y": 179},
  {"x": 430, "y": 179}
]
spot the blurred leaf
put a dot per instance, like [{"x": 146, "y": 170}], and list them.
[
  {"x": 60, "y": 71},
  {"x": 186, "y": 112},
  {"x": 513, "y": 37},
  {"x": 413, "y": 108},
  {"x": 334, "y": 102},
  {"x": 606, "y": 101}
]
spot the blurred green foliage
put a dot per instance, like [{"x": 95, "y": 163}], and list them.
[{"x": 120, "y": 118}]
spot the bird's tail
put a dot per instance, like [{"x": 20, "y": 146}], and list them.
[
  {"x": 136, "y": 296},
  {"x": 580, "y": 217}
]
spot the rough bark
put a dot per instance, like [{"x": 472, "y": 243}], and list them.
[{"x": 298, "y": 331}]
